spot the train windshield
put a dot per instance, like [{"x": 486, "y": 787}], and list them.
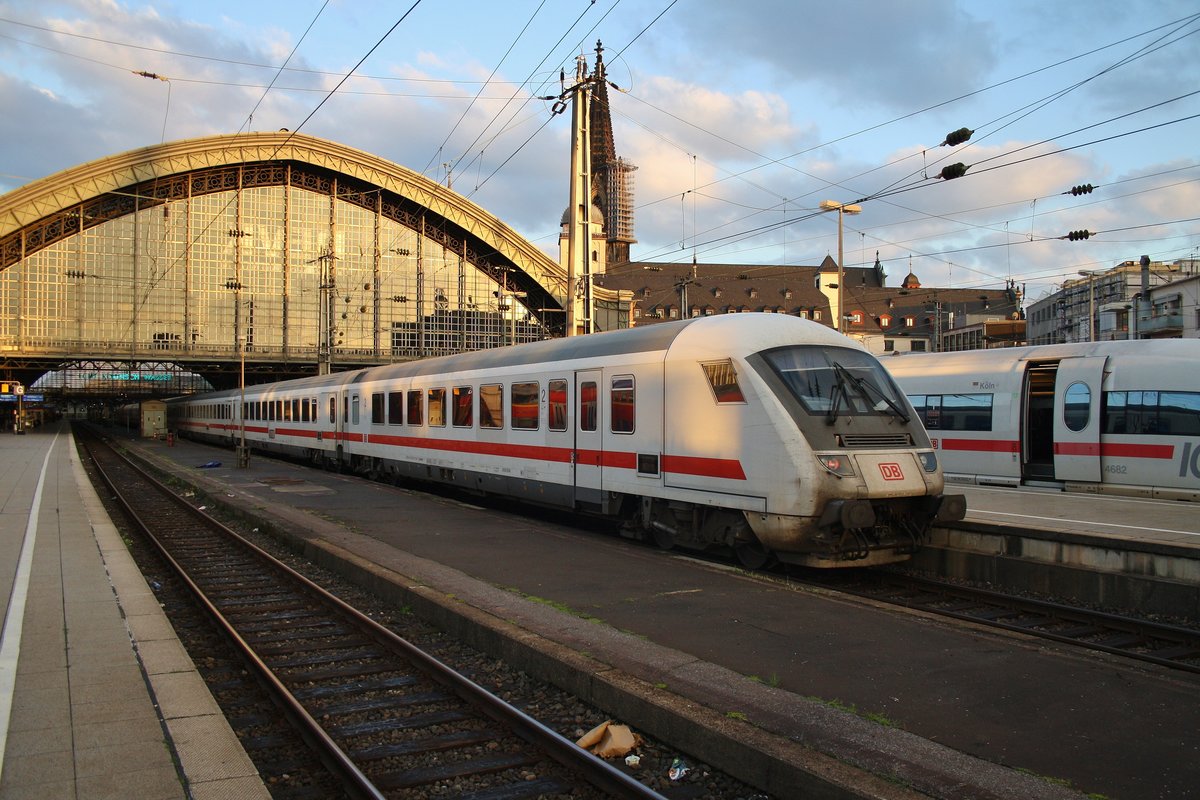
[{"x": 834, "y": 381}]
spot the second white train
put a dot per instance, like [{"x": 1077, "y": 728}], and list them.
[{"x": 1120, "y": 417}]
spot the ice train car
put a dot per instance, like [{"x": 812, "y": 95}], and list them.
[
  {"x": 1121, "y": 417},
  {"x": 763, "y": 434}
]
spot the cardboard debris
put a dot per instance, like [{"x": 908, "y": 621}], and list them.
[{"x": 607, "y": 740}]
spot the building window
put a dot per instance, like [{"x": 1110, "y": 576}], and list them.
[
  {"x": 885, "y": 320},
  {"x": 910, "y": 322},
  {"x": 917, "y": 345}
]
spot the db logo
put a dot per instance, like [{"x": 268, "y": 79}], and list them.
[{"x": 891, "y": 472}]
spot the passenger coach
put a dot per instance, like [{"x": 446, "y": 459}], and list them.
[
  {"x": 1120, "y": 417},
  {"x": 768, "y": 435}
]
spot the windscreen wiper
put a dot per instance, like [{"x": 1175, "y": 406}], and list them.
[{"x": 867, "y": 389}]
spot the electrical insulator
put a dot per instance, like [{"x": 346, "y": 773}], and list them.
[
  {"x": 1075, "y": 236},
  {"x": 953, "y": 171},
  {"x": 1083, "y": 189},
  {"x": 955, "y": 138}
]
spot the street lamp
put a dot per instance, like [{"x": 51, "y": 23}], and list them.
[
  {"x": 842, "y": 209},
  {"x": 1090, "y": 275}
]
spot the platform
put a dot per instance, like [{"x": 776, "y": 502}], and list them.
[
  {"x": 97, "y": 697},
  {"x": 667, "y": 643}
]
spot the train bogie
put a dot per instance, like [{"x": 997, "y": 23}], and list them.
[
  {"x": 764, "y": 435},
  {"x": 1117, "y": 417}
]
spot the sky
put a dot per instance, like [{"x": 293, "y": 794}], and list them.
[{"x": 740, "y": 117}]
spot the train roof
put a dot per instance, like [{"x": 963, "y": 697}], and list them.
[
  {"x": 1123, "y": 347},
  {"x": 736, "y": 332},
  {"x": 1143, "y": 350}
]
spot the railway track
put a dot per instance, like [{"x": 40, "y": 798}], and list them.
[
  {"x": 1166, "y": 645},
  {"x": 386, "y": 719}
]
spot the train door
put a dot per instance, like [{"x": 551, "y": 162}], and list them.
[
  {"x": 1077, "y": 419},
  {"x": 1037, "y": 423},
  {"x": 588, "y": 455},
  {"x": 327, "y": 415}
]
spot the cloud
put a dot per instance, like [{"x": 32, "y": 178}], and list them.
[{"x": 890, "y": 55}]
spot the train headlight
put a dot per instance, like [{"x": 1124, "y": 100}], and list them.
[
  {"x": 928, "y": 460},
  {"x": 836, "y": 463}
]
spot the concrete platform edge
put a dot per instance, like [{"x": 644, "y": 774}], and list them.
[{"x": 211, "y": 764}]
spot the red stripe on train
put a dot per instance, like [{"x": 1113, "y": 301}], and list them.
[
  {"x": 1089, "y": 449},
  {"x": 730, "y": 469},
  {"x": 705, "y": 467},
  {"x": 979, "y": 445}
]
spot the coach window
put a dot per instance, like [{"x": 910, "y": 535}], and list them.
[
  {"x": 437, "y": 407},
  {"x": 491, "y": 406},
  {"x": 1077, "y": 406},
  {"x": 587, "y": 406},
  {"x": 332, "y": 411},
  {"x": 1154, "y": 413},
  {"x": 354, "y": 410},
  {"x": 464, "y": 406},
  {"x": 377, "y": 417},
  {"x": 723, "y": 380},
  {"x": 271, "y": 411},
  {"x": 414, "y": 407},
  {"x": 621, "y": 405},
  {"x": 523, "y": 409},
  {"x": 928, "y": 408},
  {"x": 1178, "y": 413},
  {"x": 558, "y": 405},
  {"x": 395, "y": 408}
]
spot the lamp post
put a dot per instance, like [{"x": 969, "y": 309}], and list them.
[
  {"x": 842, "y": 209},
  {"x": 1090, "y": 275},
  {"x": 243, "y": 454}
]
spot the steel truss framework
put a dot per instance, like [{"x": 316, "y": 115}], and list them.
[{"x": 529, "y": 288}]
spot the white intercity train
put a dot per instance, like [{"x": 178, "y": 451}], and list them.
[
  {"x": 761, "y": 434},
  {"x": 1121, "y": 417}
]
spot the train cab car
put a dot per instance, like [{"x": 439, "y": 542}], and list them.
[
  {"x": 1120, "y": 417},
  {"x": 761, "y": 434}
]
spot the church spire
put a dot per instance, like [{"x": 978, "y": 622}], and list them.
[{"x": 612, "y": 176}]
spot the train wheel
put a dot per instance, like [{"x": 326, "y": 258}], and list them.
[
  {"x": 752, "y": 555},
  {"x": 663, "y": 538}
]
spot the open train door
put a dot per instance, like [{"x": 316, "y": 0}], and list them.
[
  {"x": 588, "y": 455},
  {"x": 1077, "y": 398}
]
